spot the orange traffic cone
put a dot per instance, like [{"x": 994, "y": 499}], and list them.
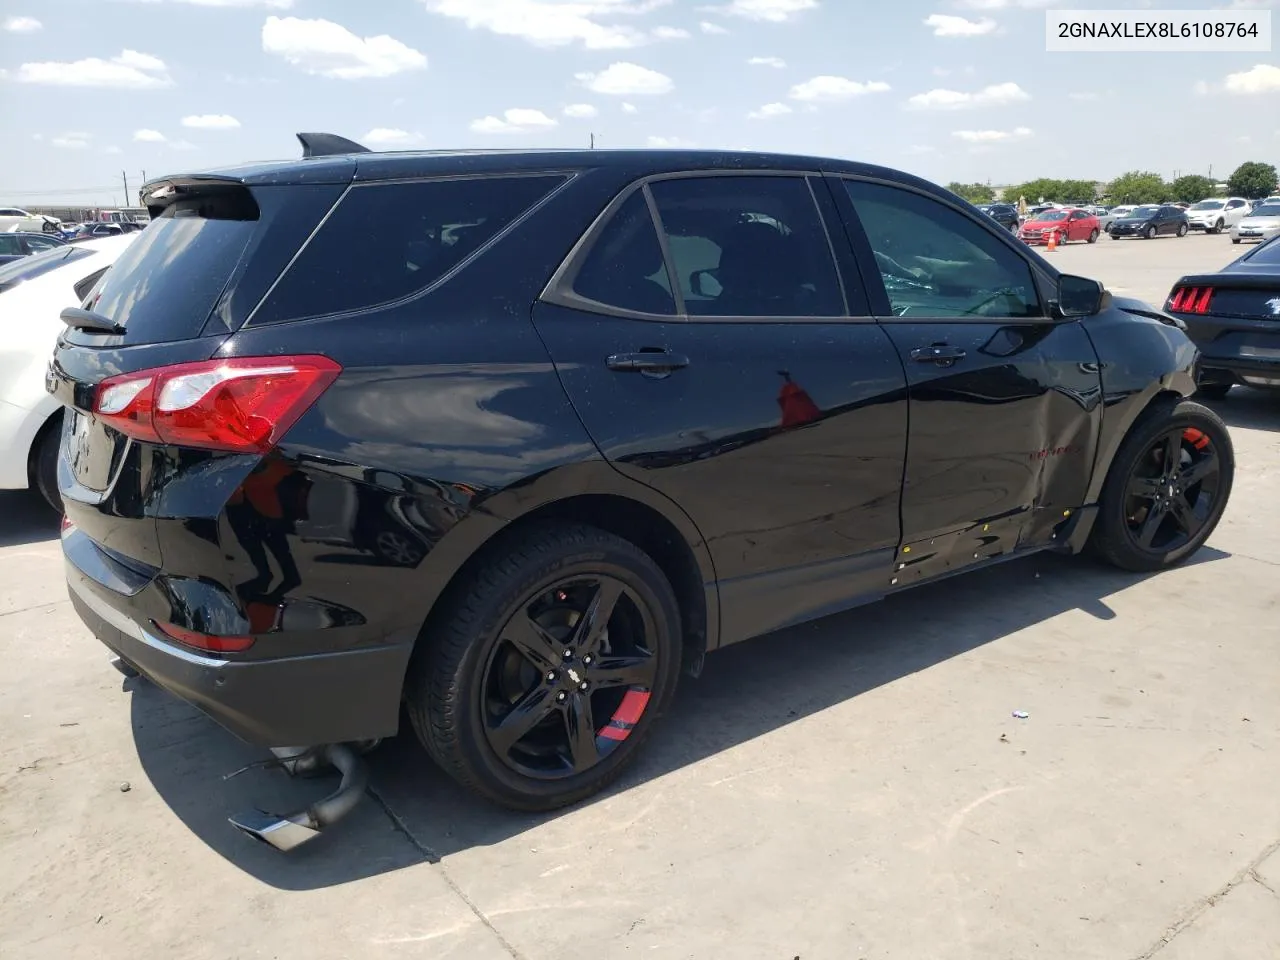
[{"x": 1053, "y": 242}]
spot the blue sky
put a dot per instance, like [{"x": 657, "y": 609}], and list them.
[{"x": 952, "y": 89}]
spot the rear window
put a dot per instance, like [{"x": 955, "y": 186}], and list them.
[
  {"x": 387, "y": 241},
  {"x": 28, "y": 268},
  {"x": 166, "y": 283}
]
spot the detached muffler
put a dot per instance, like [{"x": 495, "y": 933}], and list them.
[{"x": 287, "y": 832}]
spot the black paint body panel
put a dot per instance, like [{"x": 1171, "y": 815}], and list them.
[{"x": 478, "y": 404}]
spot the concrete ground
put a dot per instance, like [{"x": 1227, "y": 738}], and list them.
[{"x": 855, "y": 788}]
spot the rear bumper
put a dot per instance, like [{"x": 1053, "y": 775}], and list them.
[
  {"x": 291, "y": 701},
  {"x": 1235, "y": 350}
]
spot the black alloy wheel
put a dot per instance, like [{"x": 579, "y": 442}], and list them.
[
  {"x": 543, "y": 676},
  {"x": 570, "y": 677},
  {"x": 1167, "y": 489}
]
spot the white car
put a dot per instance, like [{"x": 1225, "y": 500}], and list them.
[
  {"x": 1262, "y": 223},
  {"x": 33, "y": 293},
  {"x": 17, "y": 220},
  {"x": 1217, "y": 214}
]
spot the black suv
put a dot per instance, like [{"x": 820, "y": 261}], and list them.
[
  {"x": 1005, "y": 214},
  {"x": 516, "y": 438}
]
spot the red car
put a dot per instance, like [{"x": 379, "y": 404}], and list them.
[{"x": 1067, "y": 224}]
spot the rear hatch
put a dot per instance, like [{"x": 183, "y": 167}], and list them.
[{"x": 188, "y": 282}]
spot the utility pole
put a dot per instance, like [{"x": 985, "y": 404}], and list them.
[
  {"x": 593, "y": 141},
  {"x": 124, "y": 176}
]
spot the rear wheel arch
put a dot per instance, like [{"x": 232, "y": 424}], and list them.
[
  {"x": 38, "y": 476},
  {"x": 617, "y": 505}
]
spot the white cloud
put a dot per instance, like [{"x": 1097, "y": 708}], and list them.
[
  {"x": 627, "y": 79},
  {"x": 131, "y": 70},
  {"x": 769, "y": 110},
  {"x": 72, "y": 141},
  {"x": 1263, "y": 78},
  {"x": 211, "y": 121},
  {"x": 1083, "y": 96},
  {"x": 706, "y": 26},
  {"x": 1005, "y": 4},
  {"x": 390, "y": 137},
  {"x": 830, "y": 89},
  {"x": 516, "y": 120},
  {"x": 22, "y": 24},
  {"x": 558, "y": 23},
  {"x": 770, "y": 11},
  {"x": 113, "y": 150},
  {"x": 992, "y": 136},
  {"x": 149, "y": 136},
  {"x": 580, "y": 111},
  {"x": 998, "y": 94},
  {"x": 776, "y": 62},
  {"x": 270, "y": 4},
  {"x": 331, "y": 50},
  {"x": 669, "y": 143},
  {"x": 630, "y": 108},
  {"x": 945, "y": 25},
  {"x": 1200, "y": 88}
]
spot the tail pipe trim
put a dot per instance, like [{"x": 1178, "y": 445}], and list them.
[{"x": 287, "y": 832}]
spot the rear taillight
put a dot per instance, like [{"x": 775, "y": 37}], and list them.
[
  {"x": 1191, "y": 299},
  {"x": 240, "y": 405},
  {"x": 203, "y": 641}
]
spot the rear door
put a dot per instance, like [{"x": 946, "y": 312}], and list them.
[
  {"x": 1005, "y": 401},
  {"x": 717, "y": 352}
]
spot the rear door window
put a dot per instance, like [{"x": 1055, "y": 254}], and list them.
[
  {"x": 748, "y": 246},
  {"x": 387, "y": 241}
]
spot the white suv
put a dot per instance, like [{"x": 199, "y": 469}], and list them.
[{"x": 1217, "y": 214}]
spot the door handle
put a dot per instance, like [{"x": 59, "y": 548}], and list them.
[
  {"x": 942, "y": 354},
  {"x": 647, "y": 361}
]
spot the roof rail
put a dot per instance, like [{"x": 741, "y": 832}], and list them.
[{"x": 327, "y": 145}]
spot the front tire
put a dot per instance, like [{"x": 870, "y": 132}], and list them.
[
  {"x": 1217, "y": 227},
  {"x": 1166, "y": 489},
  {"x": 544, "y": 672}
]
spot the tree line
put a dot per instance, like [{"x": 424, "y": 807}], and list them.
[{"x": 1252, "y": 180}]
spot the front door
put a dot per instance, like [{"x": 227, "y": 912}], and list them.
[
  {"x": 716, "y": 352},
  {"x": 1005, "y": 400}
]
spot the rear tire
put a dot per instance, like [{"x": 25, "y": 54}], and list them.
[
  {"x": 44, "y": 464},
  {"x": 1182, "y": 229},
  {"x": 470, "y": 682},
  {"x": 1093, "y": 236},
  {"x": 1118, "y": 532}
]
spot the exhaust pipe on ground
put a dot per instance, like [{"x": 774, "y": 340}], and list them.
[{"x": 287, "y": 832}]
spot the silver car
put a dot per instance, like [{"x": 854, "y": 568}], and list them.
[{"x": 1262, "y": 224}]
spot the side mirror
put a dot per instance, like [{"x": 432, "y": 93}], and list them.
[{"x": 1078, "y": 296}]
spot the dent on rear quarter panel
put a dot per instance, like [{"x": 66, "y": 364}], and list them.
[{"x": 1141, "y": 358}]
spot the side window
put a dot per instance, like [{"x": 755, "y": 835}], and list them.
[
  {"x": 748, "y": 247},
  {"x": 10, "y": 246},
  {"x": 936, "y": 262},
  {"x": 624, "y": 267},
  {"x": 387, "y": 241},
  {"x": 40, "y": 243}
]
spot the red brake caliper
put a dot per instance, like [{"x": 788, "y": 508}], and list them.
[
  {"x": 1197, "y": 438},
  {"x": 626, "y": 716}
]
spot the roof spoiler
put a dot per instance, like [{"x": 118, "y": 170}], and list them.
[{"x": 327, "y": 145}]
